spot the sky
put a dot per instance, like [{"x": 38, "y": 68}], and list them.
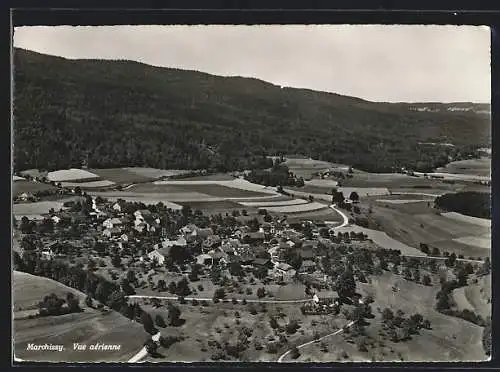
[{"x": 404, "y": 63}]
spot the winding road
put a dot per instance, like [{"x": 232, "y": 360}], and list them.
[{"x": 141, "y": 354}]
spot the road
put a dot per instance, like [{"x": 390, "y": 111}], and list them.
[
  {"x": 255, "y": 301},
  {"x": 280, "y": 359},
  {"x": 345, "y": 219},
  {"x": 141, "y": 354}
]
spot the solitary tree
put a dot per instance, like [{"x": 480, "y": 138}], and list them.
[
  {"x": 151, "y": 347},
  {"x": 147, "y": 322},
  {"x": 346, "y": 285},
  {"x": 426, "y": 280},
  {"x": 174, "y": 314},
  {"x": 354, "y": 196}
]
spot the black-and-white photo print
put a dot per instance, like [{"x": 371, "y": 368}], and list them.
[{"x": 251, "y": 193}]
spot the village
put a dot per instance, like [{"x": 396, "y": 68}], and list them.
[{"x": 111, "y": 238}]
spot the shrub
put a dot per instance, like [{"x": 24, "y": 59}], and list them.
[{"x": 160, "y": 322}]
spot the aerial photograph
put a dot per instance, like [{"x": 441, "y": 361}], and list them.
[{"x": 251, "y": 193}]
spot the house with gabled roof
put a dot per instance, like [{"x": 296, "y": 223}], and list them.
[
  {"x": 114, "y": 231},
  {"x": 159, "y": 254}
]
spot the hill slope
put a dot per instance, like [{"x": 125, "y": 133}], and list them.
[{"x": 122, "y": 113}]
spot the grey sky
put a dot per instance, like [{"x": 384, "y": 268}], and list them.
[{"x": 378, "y": 63}]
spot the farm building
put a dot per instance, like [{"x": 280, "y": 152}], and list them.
[
  {"x": 179, "y": 242},
  {"x": 112, "y": 222},
  {"x": 285, "y": 272},
  {"x": 254, "y": 237},
  {"x": 211, "y": 242},
  {"x": 307, "y": 266},
  {"x": 219, "y": 256}
]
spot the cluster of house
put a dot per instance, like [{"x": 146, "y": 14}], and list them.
[{"x": 265, "y": 249}]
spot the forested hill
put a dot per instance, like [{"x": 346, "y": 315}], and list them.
[{"x": 122, "y": 113}]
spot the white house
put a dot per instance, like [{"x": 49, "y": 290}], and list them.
[
  {"x": 141, "y": 213},
  {"x": 56, "y": 219},
  {"x": 124, "y": 237},
  {"x": 109, "y": 232},
  {"x": 117, "y": 207},
  {"x": 204, "y": 259},
  {"x": 112, "y": 222},
  {"x": 159, "y": 254},
  {"x": 180, "y": 242},
  {"x": 48, "y": 254}
]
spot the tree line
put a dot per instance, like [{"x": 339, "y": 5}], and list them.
[
  {"x": 470, "y": 203},
  {"x": 120, "y": 113}
]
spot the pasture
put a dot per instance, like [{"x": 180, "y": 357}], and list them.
[
  {"x": 450, "y": 339},
  {"x": 121, "y": 175},
  {"x": 72, "y": 175},
  {"x": 476, "y": 241},
  {"x": 475, "y": 297},
  {"x": 305, "y": 167},
  {"x": 35, "y": 208},
  {"x": 388, "y": 180},
  {"x": 210, "y": 177},
  {"x": 24, "y": 186},
  {"x": 296, "y": 208},
  {"x": 87, "y": 327},
  {"x": 155, "y": 173},
  {"x": 469, "y": 219},
  {"x": 415, "y": 223},
  {"x": 89, "y": 185},
  {"x": 29, "y": 289},
  {"x": 217, "y": 206},
  {"x": 456, "y": 176},
  {"x": 320, "y": 215},
  {"x": 323, "y": 183},
  {"x": 203, "y": 325},
  {"x": 226, "y": 190},
  {"x": 383, "y": 240},
  {"x": 273, "y": 203},
  {"x": 478, "y": 167},
  {"x": 400, "y": 201}
]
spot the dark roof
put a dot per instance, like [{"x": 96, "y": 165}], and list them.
[
  {"x": 205, "y": 232},
  {"x": 255, "y": 235},
  {"x": 164, "y": 251},
  {"x": 306, "y": 253},
  {"x": 261, "y": 261},
  {"x": 234, "y": 258},
  {"x": 308, "y": 263}
]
